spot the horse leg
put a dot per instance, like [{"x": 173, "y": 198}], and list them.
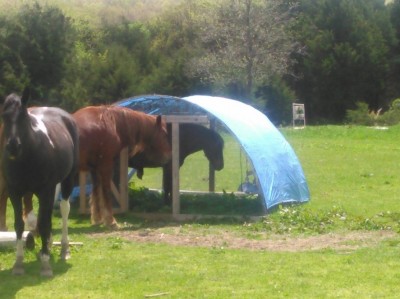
[
  {"x": 167, "y": 183},
  {"x": 105, "y": 179},
  {"x": 66, "y": 188},
  {"x": 18, "y": 268},
  {"x": 95, "y": 200},
  {"x": 46, "y": 202},
  {"x": 29, "y": 214},
  {"x": 3, "y": 203},
  {"x": 3, "y": 210}
]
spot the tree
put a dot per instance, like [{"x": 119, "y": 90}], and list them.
[
  {"x": 246, "y": 44},
  {"x": 174, "y": 41},
  {"x": 41, "y": 41},
  {"x": 394, "y": 83},
  {"x": 345, "y": 56},
  {"x": 13, "y": 73}
]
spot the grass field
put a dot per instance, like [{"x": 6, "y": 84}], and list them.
[{"x": 344, "y": 243}]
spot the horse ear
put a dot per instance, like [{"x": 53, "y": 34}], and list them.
[
  {"x": 158, "y": 121},
  {"x": 25, "y": 95}
]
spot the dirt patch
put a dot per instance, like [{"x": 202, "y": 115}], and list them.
[{"x": 337, "y": 241}]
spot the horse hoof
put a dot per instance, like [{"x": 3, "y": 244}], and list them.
[
  {"x": 96, "y": 222},
  {"x": 18, "y": 268},
  {"x": 113, "y": 226},
  {"x": 3, "y": 228},
  {"x": 65, "y": 253},
  {"x": 46, "y": 272}
]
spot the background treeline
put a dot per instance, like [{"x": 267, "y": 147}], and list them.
[{"x": 330, "y": 55}]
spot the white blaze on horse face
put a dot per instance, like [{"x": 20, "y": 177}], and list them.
[{"x": 41, "y": 127}]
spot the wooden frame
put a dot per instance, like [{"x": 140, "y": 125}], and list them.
[{"x": 175, "y": 121}]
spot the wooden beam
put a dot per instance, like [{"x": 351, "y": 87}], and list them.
[
  {"x": 82, "y": 192},
  {"x": 195, "y": 119},
  {"x": 123, "y": 180},
  {"x": 188, "y": 217},
  {"x": 211, "y": 170},
  {"x": 8, "y": 239},
  {"x": 175, "y": 169}
]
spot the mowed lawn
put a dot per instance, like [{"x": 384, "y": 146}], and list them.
[
  {"x": 357, "y": 168},
  {"x": 354, "y": 169}
]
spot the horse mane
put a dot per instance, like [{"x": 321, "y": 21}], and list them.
[{"x": 130, "y": 125}]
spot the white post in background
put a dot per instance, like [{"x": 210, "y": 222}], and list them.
[{"x": 299, "y": 115}]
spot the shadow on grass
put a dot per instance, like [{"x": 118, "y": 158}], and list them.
[
  {"x": 236, "y": 210},
  {"x": 12, "y": 284}
]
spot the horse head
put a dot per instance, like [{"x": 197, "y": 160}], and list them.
[
  {"x": 214, "y": 151},
  {"x": 15, "y": 117}
]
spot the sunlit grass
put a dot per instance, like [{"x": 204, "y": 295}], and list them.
[
  {"x": 353, "y": 174},
  {"x": 356, "y": 168}
]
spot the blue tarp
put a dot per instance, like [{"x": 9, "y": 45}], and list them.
[{"x": 279, "y": 174}]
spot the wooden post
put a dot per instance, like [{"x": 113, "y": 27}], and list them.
[
  {"x": 7, "y": 239},
  {"x": 123, "y": 180},
  {"x": 176, "y": 206},
  {"x": 82, "y": 192},
  {"x": 211, "y": 170}
]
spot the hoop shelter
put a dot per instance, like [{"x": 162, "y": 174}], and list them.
[{"x": 280, "y": 177}]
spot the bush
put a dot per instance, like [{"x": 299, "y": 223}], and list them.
[
  {"x": 363, "y": 116},
  {"x": 392, "y": 117}
]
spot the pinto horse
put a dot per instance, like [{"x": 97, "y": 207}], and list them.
[
  {"x": 28, "y": 209},
  {"x": 41, "y": 150},
  {"x": 103, "y": 132},
  {"x": 29, "y": 216},
  {"x": 192, "y": 138}
]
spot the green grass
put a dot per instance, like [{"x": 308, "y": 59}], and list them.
[
  {"x": 109, "y": 267},
  {"x": 353, "y": 175},
  {"x": 356, "y": 168}
]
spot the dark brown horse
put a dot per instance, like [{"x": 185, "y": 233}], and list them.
[
  {"x": 103, "y": 132},
  {"x": 192, "y": 138},
  {"x": 41, "y": 150}
]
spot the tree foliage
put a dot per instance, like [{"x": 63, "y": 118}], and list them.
[
  {"x": 346, "y": 55},
  {"x": 37, "y": 44},
  {"x": 327, "y": 54},
  {"x": 245, "y": 44}
]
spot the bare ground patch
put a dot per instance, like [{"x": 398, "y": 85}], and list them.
[{"x": 338, "y": 241}]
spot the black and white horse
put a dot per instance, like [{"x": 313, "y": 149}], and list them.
[{"x": 41, "y": 150}]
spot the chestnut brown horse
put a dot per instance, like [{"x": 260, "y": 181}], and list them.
[
  {"x": 41, "y": 150},
  {"x": 103, "y": 132}
]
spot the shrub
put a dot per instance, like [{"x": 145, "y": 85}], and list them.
[
  {"x": 392, "y": 117},
  {"x": 363, "y": 116}
]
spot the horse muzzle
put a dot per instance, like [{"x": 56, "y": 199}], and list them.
[
  {"x": 13, "y": 148},
  {"x": 218, "y": 165}
]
